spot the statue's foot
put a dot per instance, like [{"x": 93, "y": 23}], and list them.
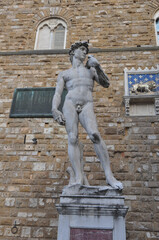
[
  {"x": 114, "y": 183},
  {"x": 74, "y": 180},
  {"x": 77, "y": 181}
]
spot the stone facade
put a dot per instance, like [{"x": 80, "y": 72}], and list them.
[
  {"x": 32, "y": 176},
  {"x": 106, "y": 23}
]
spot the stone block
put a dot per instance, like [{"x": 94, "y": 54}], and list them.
[
  {"x": 1, "y": 108},
  {"x": 22, "y": 214},
  {"x": 53, "y": 223},
  {"x": 7, "y": 232},
  {"x": 39, "y": 166},
  {"x": 26, "y": 232},
  {"x": 33, "y": 202},
  {"x": 38, "y": 233},
  {"x": 1, "y": 231},
  {"x": 10, "y": 202}
]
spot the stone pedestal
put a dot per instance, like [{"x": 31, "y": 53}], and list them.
[{"x": 91, "y": 213}]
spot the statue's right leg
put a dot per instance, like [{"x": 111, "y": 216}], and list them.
[{"x": 71, "y": 117}]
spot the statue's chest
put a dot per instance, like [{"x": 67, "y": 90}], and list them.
[{"x": 80, "y": 73}]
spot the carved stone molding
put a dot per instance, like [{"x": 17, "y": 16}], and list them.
[
  {"x": 136, "y": 76},
  {"x": 157, "y": 105},
  {"x": 144, "y": 103},
  {"x": 127, "y": 106}
]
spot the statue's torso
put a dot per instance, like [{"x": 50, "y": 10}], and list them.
[{"x": 79, "y": 83}]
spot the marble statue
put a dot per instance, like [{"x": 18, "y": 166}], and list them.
[{"x": 78, "y": 107}]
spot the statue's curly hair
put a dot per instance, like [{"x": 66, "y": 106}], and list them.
[{"x": 77, "y": 45}]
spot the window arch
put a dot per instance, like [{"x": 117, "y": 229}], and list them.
[
  {"x": 51, "y": 34},
  {"x": 156, "y": 18}
]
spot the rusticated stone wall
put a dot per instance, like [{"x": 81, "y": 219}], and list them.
[
  {"x": 105, "y": 23},
  {"x": 32, "y": 176}
]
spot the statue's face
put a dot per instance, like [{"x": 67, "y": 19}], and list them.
[{"x": 80, "y": 53}]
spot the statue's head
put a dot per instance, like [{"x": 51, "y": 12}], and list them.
[{"x": 77, "y": 45}]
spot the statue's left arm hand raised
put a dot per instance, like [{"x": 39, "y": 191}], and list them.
[
  {"x": 57, "y": 115},
  {"x": 100, "y": 76}
]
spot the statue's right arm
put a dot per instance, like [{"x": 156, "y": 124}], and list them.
[
  {"x": 57, "y": 115},
  {"x": 99, "y": 74}
]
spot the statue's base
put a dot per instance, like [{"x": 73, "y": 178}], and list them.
[{"x": 91, "y": 213}]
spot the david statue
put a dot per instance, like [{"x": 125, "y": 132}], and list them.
[{"x": 78, "y": 107}]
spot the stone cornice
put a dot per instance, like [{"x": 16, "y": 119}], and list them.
[
  {"x": 91, "y": 50},
  {"x": 95, "y": 210}
]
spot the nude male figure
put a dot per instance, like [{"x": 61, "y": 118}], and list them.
[{"x": 78, "y": 107}]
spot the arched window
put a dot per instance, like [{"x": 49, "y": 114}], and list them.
[
  {"x": 51, "y": 34},
  {"x": 157, "y": 26}
]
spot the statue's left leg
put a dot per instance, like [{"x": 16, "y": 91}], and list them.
[{"x": 88, "y": 121}]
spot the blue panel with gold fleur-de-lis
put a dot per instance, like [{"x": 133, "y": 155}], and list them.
[{"x": 143, "y": 78}]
